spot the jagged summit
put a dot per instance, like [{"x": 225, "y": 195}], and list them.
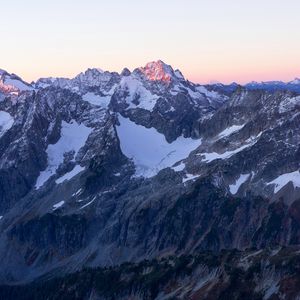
[
  {"x": 295, "y": 81},
  {"x": 138, "y": 89},
  {"x": 160, "y": 71},
  {"x": 2, "y": 72},
  {"x": 94, "y": 76},
  {"x": 125, "y": 72},
  {"x": 12, "y": 84}
]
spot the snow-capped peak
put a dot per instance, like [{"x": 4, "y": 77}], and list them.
[
  {"x": 92, "y": 77},
  {"x": 295, "y": 81},
  {"x": 12, "y": 84},
  {"x": 179, "y": 74},
  {"x": 159, "y": 71},
  {"x": 2, "y": 72},
  {"x": 100, "y": 70},
  {"x": 91, "y": 74}
]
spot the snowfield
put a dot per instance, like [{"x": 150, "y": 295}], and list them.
[
  {"x": 149, "y": 149},
  {"x": 17, "y": 84},
  {"x": 136, "y": 91},
  {"x": 73, "y": 137},
  {"x": 94, "y": 99}
]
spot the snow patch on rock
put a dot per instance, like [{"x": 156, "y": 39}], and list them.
[
  {"x": 208, "y": 157},
  {"x": 179, "y": 167},
  {"x": 70, "y": 174},
  {"x": 189, "y": 177},
  {"x": 207, "y": 93},
  {"x": 289, "y": 104},
  {"x": 228, "y": 131},
  {"x": 58, "y": 205},
  {"x": 6, "y": 122},
  {"x": 284, "y": 179},
  {"x": 235, "y": 187}
]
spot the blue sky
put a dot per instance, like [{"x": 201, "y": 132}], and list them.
[{"x": 212, "y": 40}]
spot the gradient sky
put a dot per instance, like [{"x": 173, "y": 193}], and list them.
[{"x": 208, "y": 40}]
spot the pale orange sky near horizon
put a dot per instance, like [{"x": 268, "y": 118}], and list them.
[{"x": 208, "y": 41}]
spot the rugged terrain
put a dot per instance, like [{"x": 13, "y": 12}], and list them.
[
  {"x": 253, "y": 274},
  {"x": 106, "y": 169}
]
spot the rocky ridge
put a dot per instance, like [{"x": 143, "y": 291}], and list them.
[{"x": 107, "y": 168}]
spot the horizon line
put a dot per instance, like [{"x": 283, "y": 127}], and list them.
[{"x": 188, "y": 78}]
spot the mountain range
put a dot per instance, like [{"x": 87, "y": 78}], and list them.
[{"x": 144, "y": 185}]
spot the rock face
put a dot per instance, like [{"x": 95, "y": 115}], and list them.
[{"x": 107, "y": 168}]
